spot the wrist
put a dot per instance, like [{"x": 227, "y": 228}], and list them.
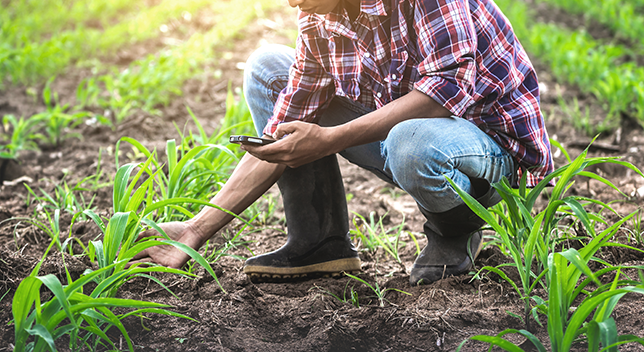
[
  {"x": 201, "y": 230},
  {"x": 337, "y": 139}
]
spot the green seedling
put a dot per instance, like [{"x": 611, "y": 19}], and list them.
[
  {"x": 379, "y": 292},
  {"x": 592, "y": 317},
  {"x": 63, "y": 198},
  {"x": 85, "y": 318},
  {"x": 574, "y": 57},
  {"x": 529, "y": 239},
  {"x": 28, "y": 60},
  {"x": 56, "y": 122},
  {"x": 352, "y": 298},
  {"x": 636, "y": 230},
  {"x": 23, "y": 136},
  {"x": 263, "y": 211},
  {"x": 50, "y": 225},
  {"x": 154, "y": 80},
  {"x": 372, "y": 235},
  {"x": 216, "y": 253}
]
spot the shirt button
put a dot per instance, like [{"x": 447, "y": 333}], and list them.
[
  {"x": 367, "y": 55},
  {"x": 379, "y": 95},
  {"x": 393, "y": 77}
]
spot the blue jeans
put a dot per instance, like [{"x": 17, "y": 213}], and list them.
[{"x": 415, "y": 156}]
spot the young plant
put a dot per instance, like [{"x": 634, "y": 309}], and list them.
[
  {"x": 132, "y": 209},
  {"x": 65, "y": 198},
  {"x": 352, "y": 299},
  {"x": 529, "y": 239},
  {"x": 372, "y": 235},
  {"x": 23, "y": 135},
  {"x": 84, "y": 317},
  {"x": 56, "y": 121},
  {"x": 567, "y": 324},
  {"x": 379, "y": 292}
]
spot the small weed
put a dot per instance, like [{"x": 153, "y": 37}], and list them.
[
  {"x": 379, "y": 292},
  {"x": 352, "y": 299},
  {"x": 372, "y": 235}
]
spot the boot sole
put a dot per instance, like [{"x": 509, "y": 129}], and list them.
[{"x": 333, "y": 268}]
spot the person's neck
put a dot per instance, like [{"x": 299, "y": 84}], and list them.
[{"x": 353, "y": 8}]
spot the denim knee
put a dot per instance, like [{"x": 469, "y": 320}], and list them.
[
  {"x": 265, "y": 75},
  {"x": 409, "y": 158}
]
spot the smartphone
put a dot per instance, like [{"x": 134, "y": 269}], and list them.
[{"x": 249, "y": 140}]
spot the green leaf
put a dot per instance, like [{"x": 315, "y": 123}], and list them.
[
  {"x": 494, "y": 341},
  {"x": 26, "y": 294},
  {"x": 43, "y": 333}
]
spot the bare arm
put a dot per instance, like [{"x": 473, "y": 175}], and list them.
[
  {"x": 251, "y": 178},
  {"x": 249, "y": 181},
  {"x": 307, "y": 142}
]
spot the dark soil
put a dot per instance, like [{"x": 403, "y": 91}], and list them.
[{"x": 299, "y": 316}]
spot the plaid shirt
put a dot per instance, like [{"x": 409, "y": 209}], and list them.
[{"x": 463, "y": 54}]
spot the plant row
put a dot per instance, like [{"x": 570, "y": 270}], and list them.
[
  {"x": 623, "y": 18},
  {"x": 28, "y": 20},
  {"x": 575, "y": 57},
  {"x": 29, "y": 61},
  {"x": 153, "y": 80}
]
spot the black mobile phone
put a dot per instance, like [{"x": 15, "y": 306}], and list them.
[{"x": 250, "y": 140}]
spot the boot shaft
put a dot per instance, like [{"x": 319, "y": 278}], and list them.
[
  {"x": 314, "y": 201},
  {"x": 462, "y": 221}
]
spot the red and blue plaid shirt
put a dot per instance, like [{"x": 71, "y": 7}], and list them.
[{"x": 461, "y": 53}]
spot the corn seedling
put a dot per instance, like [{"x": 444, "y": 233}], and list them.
[
  {"x": 576, "y": 58},
  {"x": 154, "y": 80},
  {"x": 379, "y": 292},
  {"x": 132, "y": 210},
  {"x": 23, "y": 135},
  {"x": 566, "y": 323},
  {"x": 63, "y": 198},
  {"x": 55, "y": 121},
  {"x": 529, "y": 239},
  {"x": 263, "y": 211},
  {"x": 216, "y": 253},
  {"x": 50, "y": 225},
  {"x": 199, "y": 165},
  {"x": 636, "y": 231},
  {"x": 84, "y": 317}
]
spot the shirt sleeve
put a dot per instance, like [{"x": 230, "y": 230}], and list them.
[
  {"x": 310, "y": 88},
  {"x": 446, "y": 41}
]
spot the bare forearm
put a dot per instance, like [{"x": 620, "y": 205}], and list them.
[
  {"x": 250, "y": 180},
  {"x": 376, "y": 125}
]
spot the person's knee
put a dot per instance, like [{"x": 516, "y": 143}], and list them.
[
  {"x": 409, "y": 157},
  {"x": 267, "y": 61}
]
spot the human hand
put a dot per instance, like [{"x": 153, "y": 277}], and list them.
[
  {"x": 298, "y": 143},
  {"x": 167, "y": 255}
]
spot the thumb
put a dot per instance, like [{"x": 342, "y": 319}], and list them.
[{"x": 286, "y": 128}]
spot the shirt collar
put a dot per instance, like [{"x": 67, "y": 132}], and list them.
[
  {"x": 373, "y": 7},
  {"x": 338, "y": 22}
]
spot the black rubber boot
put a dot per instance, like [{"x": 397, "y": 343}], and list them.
[
  {"x": 318, "y": 242},
  {"x": 454, "y": 238}
]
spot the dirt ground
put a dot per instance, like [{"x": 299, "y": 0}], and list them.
[{"x": 295, "y": 316}]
